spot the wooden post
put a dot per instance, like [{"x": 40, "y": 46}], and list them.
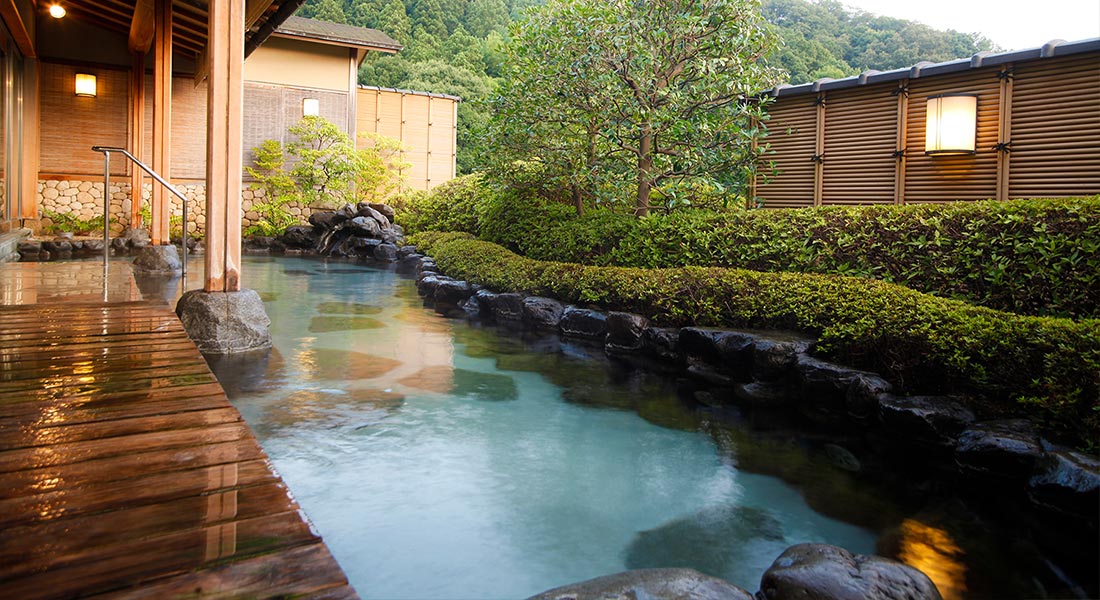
[
  {"x": 902, "y": 141},
  {"x": 137, "y": 135},
  {"x": 428, "y": 150},
  {"x": 162, "y": 120},
  {"x": 1004, "y": 131},
  {"x": 819, "y": 156},
  {"x": 26, "y": 204},
  {"x": 225, "y": 102}
]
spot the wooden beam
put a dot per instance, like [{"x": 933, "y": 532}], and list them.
[
  {"x": 162, "y": 120},
  {"x": 27, "y": 203},
  {"x": 254, "y": 9},
  {"x": 225, "y": 109},
  {"x": 142, "y": 27},
  {"x": 137, "y": 135},
  {"x": 17, "y": 28}
]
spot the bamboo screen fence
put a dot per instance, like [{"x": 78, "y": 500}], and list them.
[
  {"x": 861, "y": 140},
  {"x": 426, "y": 124}
]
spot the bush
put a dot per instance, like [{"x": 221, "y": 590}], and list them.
[
  {"x": 1034, "y": 257},
  {"x": 70, "y": 222},
  {"x": 1045, "y": 367}
]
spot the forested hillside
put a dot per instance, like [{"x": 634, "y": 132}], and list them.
[{"x": 456, "y": 46}]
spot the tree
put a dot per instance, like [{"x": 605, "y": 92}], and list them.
[
  {"x": 660, "y": 92},
  {"x": 394, "y": 21},
  {"x": 331, "y": 11}
]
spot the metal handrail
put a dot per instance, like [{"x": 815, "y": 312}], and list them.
[{"x": 135, "y": 197}]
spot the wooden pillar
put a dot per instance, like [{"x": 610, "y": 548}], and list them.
[
  {"x": 162, "y": 120},
  {"x": 1004, "y": 130},
  {"x": 137, "y": 135},
  {"x": 428, "y": 150},
  {"x": 902, "y": 140},
  {"x": 225, "y": 102},
  {"x": 26, "y": 203},
  {"x": 819, "y": 152}
]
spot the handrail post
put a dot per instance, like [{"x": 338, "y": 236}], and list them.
[{"x": 106, "y": 217}]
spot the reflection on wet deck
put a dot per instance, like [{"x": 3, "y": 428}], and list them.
[{"x": 123, "y": 468}]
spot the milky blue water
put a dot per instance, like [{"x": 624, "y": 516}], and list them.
[{"x": 442, "y": 460}]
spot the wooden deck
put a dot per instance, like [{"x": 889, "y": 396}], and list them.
[{"x": 125, "y": 472}]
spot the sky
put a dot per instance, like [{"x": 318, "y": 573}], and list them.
[{"x": 1011, "y": 24}]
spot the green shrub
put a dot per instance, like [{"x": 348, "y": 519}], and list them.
[
  {"x": 452, "y": 206},
  {"x": 1034, "y": 257},
  {"x": 70, "y": 222},
  {"x": 1044, "y": 367}
]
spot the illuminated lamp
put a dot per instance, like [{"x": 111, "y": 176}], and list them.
[
  {"x": 951, "y": 124},
  {"x": 85, "y": 85},
  {"x": 57, "y": 11},
  {"x": 311, "y": 107}
]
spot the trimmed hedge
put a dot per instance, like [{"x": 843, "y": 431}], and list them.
[
  {"x": 1033, "y": 257},
  {"x": 1044, "y": 367}
]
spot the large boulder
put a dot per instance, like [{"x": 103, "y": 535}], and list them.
[
  {"x": 158, "y": 260},
  {"x": 923, "y": 421},
  {"x": 508, "y": 307},
  {"x": 773, "y": 359},
  {"x": 1068, "y": 483},
  {"x": 1008, "y": 448},
  {"x": 732, "y": 350},
  {"x": 824, "y": 572},
  {"x": 824, "y": 386},
  {"x": 299, "y": 236},
  {"x": 370, "y": 213},
  {"x": 649, "y": 584},
  {"x": 383, "y": 209},
  {"x": 625, "y": 332},
  {"x": 364, "y": 227},
  {"x": 542, "y": 313},
  {"x": 663, "y": 343},
  {"x": 225, "y": 322},
  {"x": 584, "y": 323},
  {"x": 450, "y": 293},
  {"x": 385, "y": 252}
]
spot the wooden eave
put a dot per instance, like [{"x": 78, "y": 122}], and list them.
[{"x": 189, "y": 33}]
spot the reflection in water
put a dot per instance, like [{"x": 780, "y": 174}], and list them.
[
  {"x": 332, "y": 408},
  {"x": 934, "y": 552},
  {"x": 343, "y": 365},
  {"x": 463, "y": 383},
  {"x": 348, "y": 308},
  {"x": 343, "y": 323}
]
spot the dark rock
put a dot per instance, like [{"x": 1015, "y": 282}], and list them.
[
  {"x": 773, "y": 359},
  {"x": 651, "y": 584},
  {"x": 57, "y": 246},
  {"x": 584, "y": 323},
  {"x": 508, "y": 307},
  {"x": 28, "y": 247},
  {"x": 824, "y": 386},
  {"x": 1068, "y": 483},
  {"x": 426, "y": 285},
  {"x": 299, "y": 236},
  {"x": 399, "y": 230},
  {"x": 118, "y": 244},
  {"x": 365, "y": 227},
  {"x": 323, "y": 221},
  {"x": 451, "y": 293},
  {"x": 542, "y": 313},
  {"x": 763, "y": 394},
  {"x": 374, "y": 215},
  {"x": 93, "y": 246},
  {"x": 472, "y": 307},
  {"x": 384, "y": 209},
  {"x": 625, "y": 332},
  {"x": 158, "y": 260},
  {"x": 259, "y": 242},
  {"x": 66, "y": 235},
  {"x": 427, "y": 265},
  {"x": 385, "y": 252},
  {"x": 346, "y": 212},
  {"x": 663, "y": 342},
  {"x": 733, "y": 350},
  {"x": 1004, "y": 449},
  {"x": 408, "y": 263},
  {"x": 362, "y": 247},
  {"x": 861, "y": 400},
  {"x": 391, "y": 237},
  {"x": 225, "y": 322},
  {"x": 404, "y": 251},
  {"x": 136, "y": 238},
  {"x": 710, "y": 374},
  {"x": 484, "y": 300},
  {"x": 922, "y": 420},
  {"x": 824, "y": 572}
]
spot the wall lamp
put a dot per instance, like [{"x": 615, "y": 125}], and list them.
[
  {"x": 85, "y": 85},
  {"x": 311, "y": 107},
  {"x": 57, "y": 11},
  {"x": 951, "y": 124}
]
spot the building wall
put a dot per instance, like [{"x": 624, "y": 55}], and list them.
[
  {"x": 1038, "y": 135},
  {"x": 426, "y": 124},
  {"x": 297, "y": 63}
]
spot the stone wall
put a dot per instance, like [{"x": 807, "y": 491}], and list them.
[{"x": 85, "y": 200}]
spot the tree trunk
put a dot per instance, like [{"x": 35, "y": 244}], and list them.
[
  {"x": 578, "y": 199},
  {"x": 645, "y": 169}
]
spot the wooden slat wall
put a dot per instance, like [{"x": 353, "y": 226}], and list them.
[
  {"x": 424, "y": 124},
  {"x": 792, "y": 185},
  {"x": 860, "y": 139},
  {"x": 1055, "y": 128},
  {"x": 946, "y": 178},
  {"x": 71, "y": 125},
  {"x": 270, "y": 110}
]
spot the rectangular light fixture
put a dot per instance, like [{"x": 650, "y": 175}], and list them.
[
  {"x": 311, "y": 107},
  {"x": 85, "y": 85},
  {"x": 951, "y": 125}
]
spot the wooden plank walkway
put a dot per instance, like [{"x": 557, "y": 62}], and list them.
[{"x": 126, "y": 473}]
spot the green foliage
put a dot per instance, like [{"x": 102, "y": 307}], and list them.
[
  {"x": 1044, "y": 367},
  {"x": 634, "y": 95},
  {"x": 325, "y": 168},
  {"x": 452, "y": 206},
  {"x": 1036, "y": 257},
  {"x": 175, "y": 223},
  {"x": 72, "y": 223}
]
